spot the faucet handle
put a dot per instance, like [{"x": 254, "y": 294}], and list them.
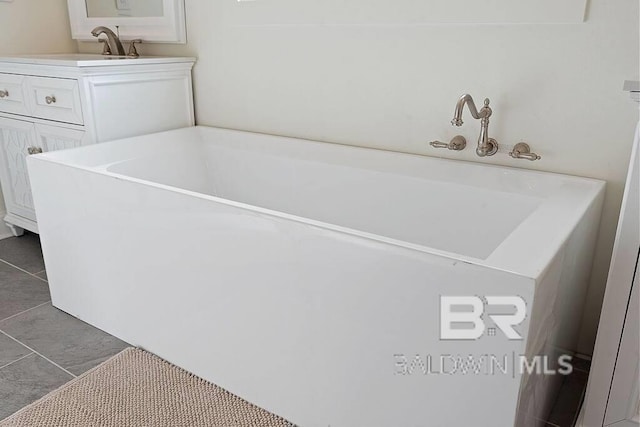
[
  {"x": 132, "y": 48},
  {"x": 458, "y": 143},
  {"x": 106, "y": 49},
  {"x": 522, "y": 151}
]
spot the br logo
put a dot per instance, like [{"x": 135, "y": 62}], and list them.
[{"x": 462, "y": 317}]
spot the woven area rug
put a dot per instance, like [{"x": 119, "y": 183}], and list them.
[{"x": 135, "y": 388}]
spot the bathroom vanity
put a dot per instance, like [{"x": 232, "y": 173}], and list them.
[{"x": 55, "y": 102}]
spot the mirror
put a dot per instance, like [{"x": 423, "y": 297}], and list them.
[
  {"x": 149, "y": 20},
  {"x": 114, "y": 8}
]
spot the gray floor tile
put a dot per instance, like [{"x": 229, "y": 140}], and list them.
[
  {"x": 565, "y": 411},
  {"x": 23, "y": 252},
  {"x": 69, "y": 342},
  {"x": 19, "y": 291},
  {"x": 42, "y": 275},
  {"x": 10, "y": 351},
  {"x": 27, "y": 380}
]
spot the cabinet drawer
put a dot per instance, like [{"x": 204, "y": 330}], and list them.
[
  {"x": 54, "y": 99},
  {"x": 12, "y": 94}
]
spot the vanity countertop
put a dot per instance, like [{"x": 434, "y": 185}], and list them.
[{"x": 90, "y": 60}]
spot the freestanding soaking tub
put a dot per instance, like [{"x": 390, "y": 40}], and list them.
[{"x": 314, "y": 279}]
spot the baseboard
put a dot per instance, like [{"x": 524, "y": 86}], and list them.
[{"x": 4, "y": 230}]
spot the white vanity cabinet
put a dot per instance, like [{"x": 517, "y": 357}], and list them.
[{"x": 55, "y": 102}]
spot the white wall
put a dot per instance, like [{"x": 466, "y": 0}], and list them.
[
  {"x": 33, "y": 26},
  {"x": 556, "y": 86}
]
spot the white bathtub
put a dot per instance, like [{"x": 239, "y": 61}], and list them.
[{"x": 303, "y": 276}]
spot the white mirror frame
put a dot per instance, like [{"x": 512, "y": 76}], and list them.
[{"x": 169, "y": 28}]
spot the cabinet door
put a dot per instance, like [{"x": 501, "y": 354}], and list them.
[
  {"x": 16, "y": 138},
  {"x": 54, "y": 138}
]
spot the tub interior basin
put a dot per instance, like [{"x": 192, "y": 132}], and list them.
[{"x": 359, "y": 191}]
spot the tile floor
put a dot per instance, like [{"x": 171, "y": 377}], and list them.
[{"x": 42, "y": 347}]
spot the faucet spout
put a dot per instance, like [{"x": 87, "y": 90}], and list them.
[
  {"x": 112, "y": 39},
  {"x": 466, "y": 99},
  {"x": 486, "y": 146}
]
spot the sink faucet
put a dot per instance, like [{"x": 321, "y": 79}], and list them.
[
  {"x": 112, "y": 39},
  {"x": 486, "y": 146}
]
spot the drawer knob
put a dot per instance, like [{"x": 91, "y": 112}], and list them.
[
  {"x": 50, "y": 99},
  {"x": 34, "y": 150},
  {"x": 4, "y": 93}
]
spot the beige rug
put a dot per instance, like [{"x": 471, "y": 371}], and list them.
[{"x": 135, "y": 388}]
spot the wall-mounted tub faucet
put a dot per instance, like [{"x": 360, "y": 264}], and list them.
[
  {"x": 113, "y": 42},
  {"x": 486, "y": 146}
]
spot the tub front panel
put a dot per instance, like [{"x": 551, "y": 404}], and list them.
[{"x": 321, "y": 327}]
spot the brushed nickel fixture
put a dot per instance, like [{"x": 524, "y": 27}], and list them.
[
  {"x": 522, "y": 151},
  {"x": 106, "y": 50},
  {"x": 34, "y": 150},
  {"x": 457, "y": 143},
  {"x": 133, "y": 53},
  {"x": 4, "y": 93},
  {"x": 486, "y": 146},
  {"x": 113, "y": 41}
]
